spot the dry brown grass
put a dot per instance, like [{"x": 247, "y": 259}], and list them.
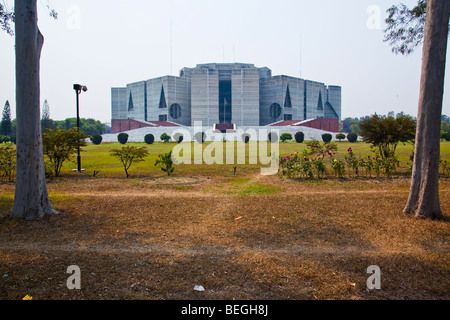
[{"x": 157, "y": 238}]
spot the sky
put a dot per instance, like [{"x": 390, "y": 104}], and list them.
[{"x": 109, "y": 43}]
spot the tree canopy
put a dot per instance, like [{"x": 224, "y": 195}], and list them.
[
  {"x": 89, "y": 126},
  {"x": 6, "y": 19},
  {"x": 59, "y": 146},
  {"x": 46, "y": 121},
  {"x": 6, "y": 123},
  {"x": 405, "y": 27},
  {"x": 387, "y": 132}
]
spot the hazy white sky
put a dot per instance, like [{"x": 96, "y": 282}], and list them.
[{"x": 109, "y": 43}]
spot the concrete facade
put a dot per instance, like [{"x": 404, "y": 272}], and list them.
[
  {"x": 245, "y": 97},
  {"x": 168, "y": 100},
  {"x": 282, "y": 98},
  {"x": 225, "y": 93}
]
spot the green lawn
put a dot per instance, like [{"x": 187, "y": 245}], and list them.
[{"x": 98, "y": 158}]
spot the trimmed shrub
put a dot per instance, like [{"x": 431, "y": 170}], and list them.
[
  {"x": 246, "y": 137},
  {"x": 122, "y": 138},
  {"x": 447, "y": 137},
  {"x": 165, "y": 137},
  {"x": 286, "y": 137},
  {"x": 326, "y": 137},
  {"x": 299, "y": 137},
  {"x": 178, "y": 138},
  {"x": 272, "y": 137},
  {"x": 340, "y": 136},
  {"x": 149, "y": 138},
  {"x": 352, "y": 137},
  {"x": 200, "y": 137},
  {"x": 97, "y": 139}
]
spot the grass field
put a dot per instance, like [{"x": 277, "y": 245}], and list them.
[
  {"x": 242, "y": 236},
  {"x": 98, "y": 158}
]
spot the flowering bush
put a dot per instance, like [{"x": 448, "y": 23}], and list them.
[
  {"x": 306, "y": 168},
  {"x": 338, "y": 166},
  {"x": 321, "y": 150},
  {"x": 297, "y": 166},
  {"x": 381, "y": 165},
  {"x": 312, "y": 164},
  {"x": 390, "y": 165},
  {"x": 289, "y": 165},
  {"x": 353, "y": 162},
  {"x": 368, "y": 165},
  {"x": 319, "y": 167}
]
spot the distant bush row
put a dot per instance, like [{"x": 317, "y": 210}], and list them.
[{"x": 201, "y": 137}]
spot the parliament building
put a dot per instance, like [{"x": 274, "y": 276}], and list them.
[{"x": 221, "y": 94}]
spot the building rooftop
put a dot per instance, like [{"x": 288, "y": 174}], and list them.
[{"x": 235, "y": 65}]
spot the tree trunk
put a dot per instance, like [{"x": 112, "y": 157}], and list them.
[
  {"x": 31, "y": 199},
  {"x": 424, "y": 193}
]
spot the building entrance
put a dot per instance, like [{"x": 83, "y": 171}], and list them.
[{"x": 225, "y": 102}]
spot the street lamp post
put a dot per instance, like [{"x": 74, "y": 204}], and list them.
[{"x": 78, "y": 88}]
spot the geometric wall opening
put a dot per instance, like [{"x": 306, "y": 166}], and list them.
[
  {"x": 130, "y": 103},
  {"x": 175, "y": 111},
  {"x": 288, "y": 101},
  {"x": 162, "y": 99},
  {"x": 320, "y": 103},
  {"x": 275, "y": 111}
]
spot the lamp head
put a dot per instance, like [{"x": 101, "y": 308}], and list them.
[{"x": 79, "y": 87}]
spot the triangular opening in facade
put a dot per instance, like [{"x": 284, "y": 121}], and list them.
[
  {"x": 288, "y": 101},
  {"x": 162, "y": 99},
  {"x": 329, "y": 111},
  {"x": 130, "y": 103},
  {"x": 320, "y": 103}
]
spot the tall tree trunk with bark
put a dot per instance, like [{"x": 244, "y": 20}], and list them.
[
  {"x": 31, "y": 199},
  {"x": 424, "y": 193}
]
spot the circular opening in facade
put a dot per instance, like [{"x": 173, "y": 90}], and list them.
[
  {"x": 175, "y": 111},
  {"x": 275, "y": 111}
]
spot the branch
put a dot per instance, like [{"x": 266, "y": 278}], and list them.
[
  {"x": 405, "y": 27},
  {"x": 6, "y": 18}
]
